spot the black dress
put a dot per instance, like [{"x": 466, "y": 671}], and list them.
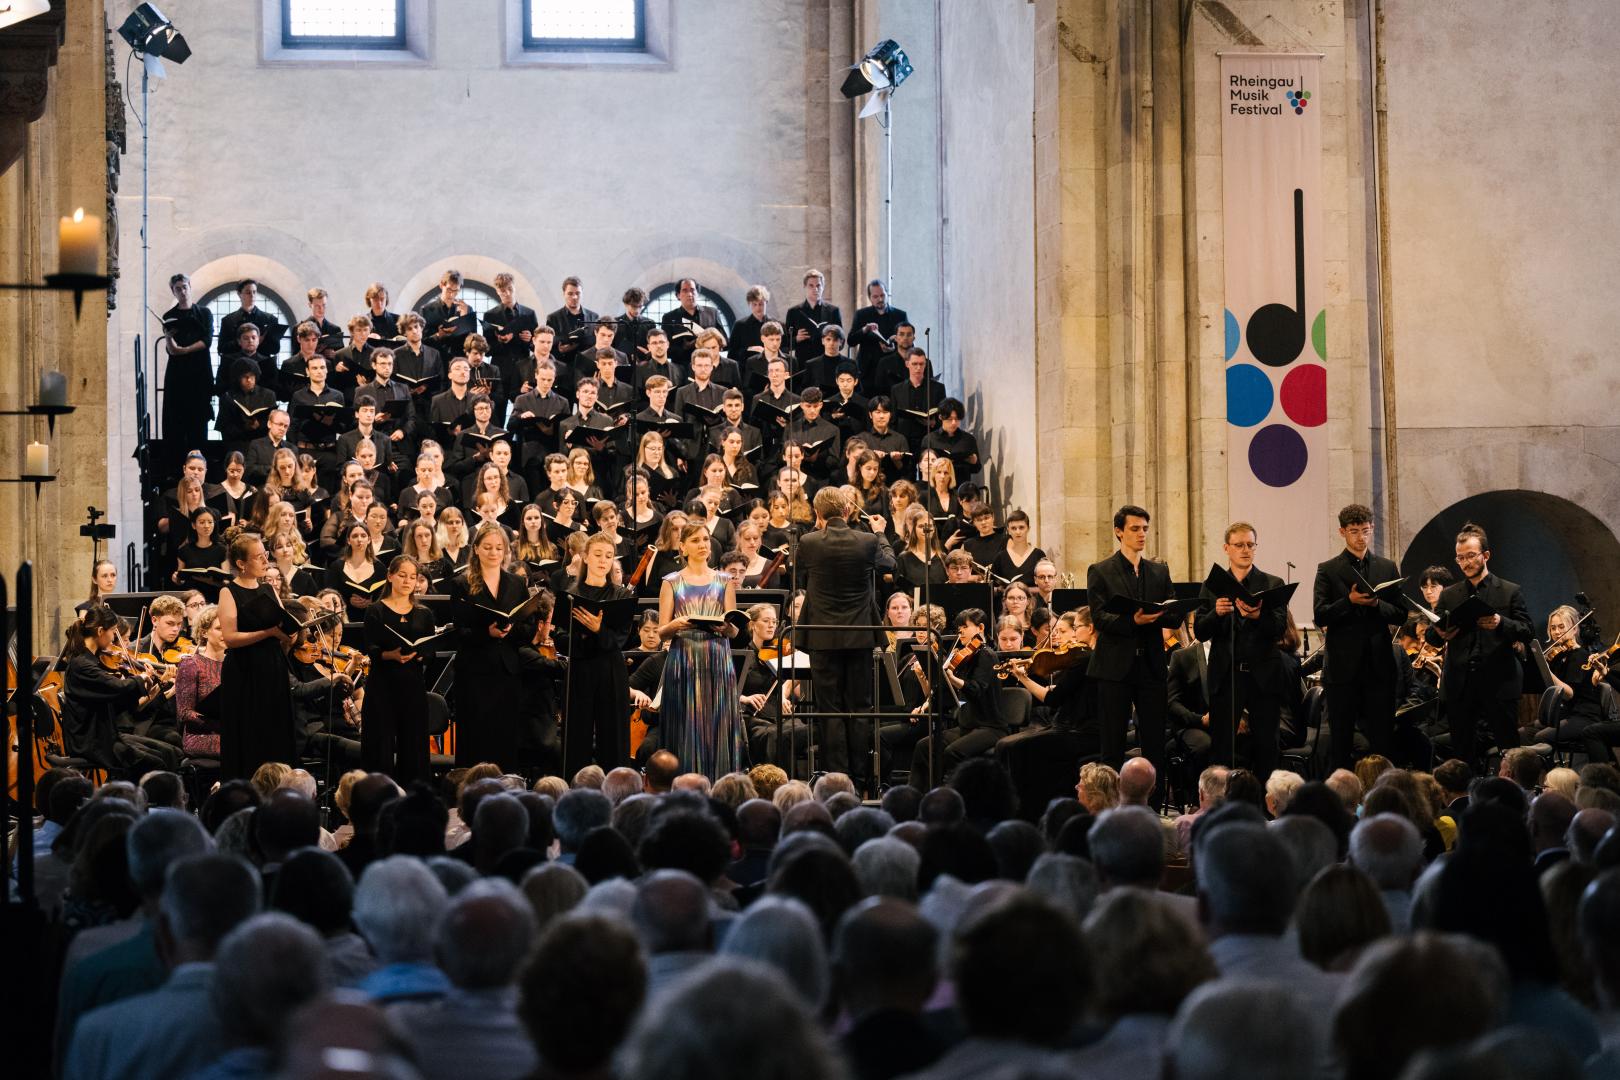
[
  {"x": 597, "y": 691},
  {"x": 489, "y": 683},
  {"x": 394, "y": 718},
  {"x": 256, "y": 715}
]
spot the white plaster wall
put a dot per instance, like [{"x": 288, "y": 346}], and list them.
[
  {"x": 1505, "y": 250},
  {"x": 338, "y": 174},
  {"x": 988, "y": 347}
]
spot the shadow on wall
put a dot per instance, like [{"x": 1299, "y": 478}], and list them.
[
  {"x": 992, "y": 445},
  {"x": 1550, "y": 546}
]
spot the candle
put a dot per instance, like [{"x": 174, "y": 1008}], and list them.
[
  {"x": 37, "y": 460},
  {"x": 79, "y": 244},
  {"x": 52, "y": 388}
]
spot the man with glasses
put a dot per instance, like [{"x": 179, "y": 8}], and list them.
[
  {"x": 1246, "y": 671},
  {"x": 1482, "y": 678},
  {"x": 1358, "y": 669}
]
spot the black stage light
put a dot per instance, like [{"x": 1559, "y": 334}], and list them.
[
  {"x": 150, "y": 33},
  {"x": 885, "y": 66}
]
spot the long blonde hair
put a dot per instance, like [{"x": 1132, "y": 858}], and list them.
[{"x": 475, "y": 574}]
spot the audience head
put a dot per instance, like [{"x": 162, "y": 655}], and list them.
[
  {"x": 1280, "y": 788},
  {"x": 1348, "y": 787},
  {"x": 856, "y": 826},
  {"x": 580, "y": 990},
  {"x": 157, "y": 841},
  {"x": 1146, "y": 959},
  {"x": 1310, "y": 844},
  {"x": 606, "y": 854},
  {"x": 661, "y": 769},
  {"x": 1388, "y": 849},
  {"x": 1016, "y": 845},
  {"x": 819, "y": 875},
  {"x": 484, "y": 934},
  {"x": 781, "y": 932},
  {"x": 620, "y": 784},
  {"x": 901, "y": 802},
  {"x": 1315, "y": 799},
  {"x": 205, "y": 897},
  {"x": 1021, "y": 939},
  {"x": 986, "y": 790},
  {"x": 689, "y": 840},
  {"x": 397, "y": 906},
  {"x": 759, "y": 823},
  {"x": 553, "y": 889},
  {"x": 883, "y": 957},
  {"x": 577, "y": 813},
  {"x": 1338, "y": 914},
  {"x": 1246, "y": 881},
  {"x": 1097, "y": 788},
  {"x": 1586, "y": 830},
  {"x": 314, "y": 887},
  {"x": 285, "y": 822},
  {"x": 1234, "y": 1027},
  {"x": 1137, "y": 779},
  {"x": 941, "y": 806},
  {"x": 1127, "y": 847},
  {"x": 265, "y": 969},
  {"x": 887, "y": 867},
  {"x": 1068, "y": 881},
  {"x": 671, "y": 913}
]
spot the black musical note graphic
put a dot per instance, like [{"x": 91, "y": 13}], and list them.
[{"x": 1276, "y": 332}]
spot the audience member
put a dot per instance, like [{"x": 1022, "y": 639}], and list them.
[
  {"x": 578, "y": 993},
  {"x": 397, "y": 906},
  {"x": 883, "y": 957}
]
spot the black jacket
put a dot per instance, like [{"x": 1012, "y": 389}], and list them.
[
  {"x": 1251, "y": 642},
  {"x": 1482, "y": 663},
  {"x": 1356, "y": 633},
  {"x": 840, "y": 568},
  {"x": 1119, "y": 639}
]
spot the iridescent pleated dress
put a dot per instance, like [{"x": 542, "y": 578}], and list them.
[{"x": 698, "y": 713}]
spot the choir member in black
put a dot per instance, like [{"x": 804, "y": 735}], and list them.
[
  {"x": 395, "y": 413},
  {"x": 188, "y": 380},
  {"x": 351, "y": 365},
  {"x": 470, "y": 450},
  {"x": 95, "y": 697},
  {"x": 450, "y": 412},
  {"x": 700, "y": 399},
  {"x": 756, "y": 367},
  {"x": 306, "y": 344},
  {"x": 775, "y": 408},
  {"x": 941, "y": 501},
  {"x": 366, "y": 428},
  {"x": 822, "y": 370},
  {"x": 488, "y": 684},
  {"x": 509, "y": 327},
  {"x": 234, "y": 494},
  {"x": 744, "y": 341},
  {"x": 331, "y": 334},
  {"x": 969, "y": 671},
  {"x": 660, "y": 417},
  {"x": 916, "y": 400},
  {"x": 1128, "y": 660},
  {"x": 1482, "y": 678},
  {"x": 881, "y": 438},
  {"x": 318, "y": 410},
  {"x": 447, "y": 319},
  {"x": 891, "y": 366},
  {"x": 1359, "y": 671},
  {"x": 244, "y": 407},
  {"x": 535, "y": 419},
  {"x": 613, "y": 394},
  {"x": 820, "y": 441},
  {"x": 949, "y": 440},
  {"x": 261, "y": 452},
  {"x": 741, "y": 476},
  {"x": 601, "y": 447},
  {"x": 585, "y": 360},
  {"x": 631, "y": 336},
  {"x": 731, "y": 409},
  {"x": 256, "y": 713},
  {"x": 355, "y": 571},
  {"x": 871, "y": 335},
  {"x": 682, "y": 322},
  {"x": 985, "y": 542},
  {"x": 596, "y": 728},
  {"x": 1043, "y": 758},
  {"x": 231, "y": 342},
  {"x": 393, "y": 732},
  {"x": 656, "y": 363},
  {"x": 845, "y": 408},
  {"x": 419, "y": 366},
  {"x": 203, "y": 549},
  {"x": 1018, "y": 557},
  {"x": 1245, "y": 669},
  {"x": 188, "y": 493},
  {"x": 571, "y": 323},
  {"x": 922, "y": 563},
  {"x": 384, "y": 323},
  {"x": 806, "y": 321},
  {"x": 287, "y": 555},
  {"x": 660, "y": 481},
  {"x": 484, "y": 377}
]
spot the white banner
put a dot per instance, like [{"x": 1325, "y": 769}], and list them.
[{"x": 1276, "y": 336}]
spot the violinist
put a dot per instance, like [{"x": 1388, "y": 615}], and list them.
[
  {"x": 326, "y": 702},
  {"x": 101, "y": 684},
  {"x": 196, "y": 677},
  {"x": 1580, "y": 705},
  {"x": 394, "y": 735},
  {"x": 1042, "y": 758},
  {"x": 758, "y": 693},
  {"x": 915, "y": 670},
  {"x": 969, "y": 672},
  {"x": 161, "y": 648}
]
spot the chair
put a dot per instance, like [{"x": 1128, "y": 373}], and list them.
[
  {"x": 1016, "y": 705},
  {"x": 50, "y": 745},
  {"x": 438, "y": 710},
  {"x": 1306, "y": 759},
  {"x": 1550, "y": 715}
]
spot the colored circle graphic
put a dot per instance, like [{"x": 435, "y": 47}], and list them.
[
  {"x": 1319, "y": 335},
  {"x": 1277, "y": 456},
  {"x": 1234, "y": 336},
  {"x": 1304, "y": 395},
  {"x": 1248, "y": 395}
]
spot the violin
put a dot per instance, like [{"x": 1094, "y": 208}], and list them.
[
  {"x": 966, "y": 649},
  {"x": 1043, "y": 663},
  {"x": 770, "y": 653},
  {"x": 1600, "y": 659},
  {"x": 183, "y": 646},
  {"x": 1554, "y": 651}
]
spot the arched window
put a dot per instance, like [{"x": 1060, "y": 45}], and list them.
[
  {"x": 223, "y": 300},
  {"x": 478, "y": 297},
  {"x": 663, "y": 300}
]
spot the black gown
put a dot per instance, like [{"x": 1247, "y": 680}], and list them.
[
  {"x": 489, "y": 683},
  {"x": 256, "y": 714},
  {"x": 597, "y": 691},
  {"x": 394, "y": 717}
]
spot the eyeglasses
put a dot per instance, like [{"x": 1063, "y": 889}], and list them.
[
  {"x": 1470, "y": 556},
  {"x": 1246, "y": 545}
]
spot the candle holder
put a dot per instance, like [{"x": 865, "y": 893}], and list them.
[
  {"x": 77, "y": 284},
  {"x": 49, "y": 412},
  {"x": 30, "y": 478}
]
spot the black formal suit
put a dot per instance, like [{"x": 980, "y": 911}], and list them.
[
  {"x": 840, "y": 568},
  {"x": 1358, "y": 671},
  {"x": 1482, "y": 677},
  {"x": 1128, "y": 661},
  {"x": 814, "y": 318},
  {"x": 1188, "y": 694},
  {"x": 565, "y": 325},
  {"x": 869, "y": 348},
  {"x": 687, "y": 323},
  {"x": 260, "y": 454},
  {"x": 1245, "y": 671}
]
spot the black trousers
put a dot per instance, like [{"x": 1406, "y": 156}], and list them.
[
  {"x": 957, "y": 746},
  {"x": 394, "y": 723},
  {"x": 597, "y": 727},
  {"x": 842, "y": 682},
  {"x": 1043, "y": 764},
  {"x": 1366, "y": 701},
  {"x": 1151, "y": 701},
  {"x": 1265, "y": 712},
  {"x": 1466, "y": 711}
]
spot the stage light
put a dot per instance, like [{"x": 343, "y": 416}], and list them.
[
  {"x": 884, "y": 67},
  {"x": 16, "y": 11},
  {"x": 151, "y": 34}
]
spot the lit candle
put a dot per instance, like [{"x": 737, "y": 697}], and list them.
[
  {"x": 37, "y": 460},
  {"x": 79, "y": 244},
  {"x": 52, "y": 388}
]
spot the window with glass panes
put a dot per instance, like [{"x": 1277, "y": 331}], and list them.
[
  {"x": 343, "y": 24},
  {"x": 584, "y": 24}
]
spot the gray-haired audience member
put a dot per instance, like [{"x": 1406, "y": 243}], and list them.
[
  {"x": 1146, "y": 960},
  {"x": 630, "y": 817},
  {"x": 887, "y": 867},
  {"x": 397, "y": 906},
  {"x": 671, "y": 916},
  {"x": 579, "y": 992},
  {"x": 1068, "y": 881},
  {"x": 1388, "y": 849},
  {"x": 265, "y": 970},
  {"x": 860, "y": 824},
  {"x": 620, "y": 784},
  {"x": 1310, "y": 844},
  {"x": 576, "y": 814},
  {"x": 500, "y": 826},
  {"x": 553, "y": 890},
  {"x": 781, "y": 932},
  {"x": 733, "y": 1020},
  {"x": 480, "y": 942},
  {"x": 452, "y": 873},
  {"x": 1243, "y": 1028},
  {"x": 172, "y": 1030},
  {"x": 883, "y": 964},
  {"x": 1422, "y": 992}
]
